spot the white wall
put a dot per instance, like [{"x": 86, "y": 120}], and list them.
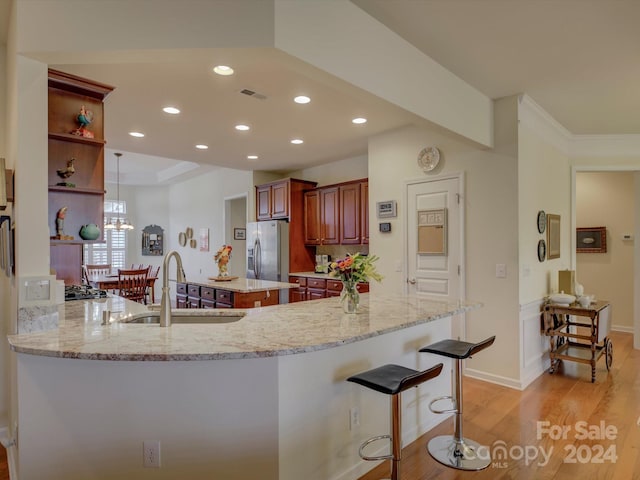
[
  {"x": 5, "y": 282},
  {"x": 198, "y": 203},
  {"x": 491, "y": 231},
  {"x": 352, "y": 168}
]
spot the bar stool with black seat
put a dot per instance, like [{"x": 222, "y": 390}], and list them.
[
  {"x": 454, "y": 450},
  {"x": 392, "y": 380}
]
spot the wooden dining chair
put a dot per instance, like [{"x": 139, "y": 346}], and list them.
[
  {"x": 95, "y": 270},
  {"x": 132, "y": 284},
  {"x": 151, "y": 280}
]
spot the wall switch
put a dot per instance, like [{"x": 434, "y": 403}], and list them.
[
  {"x": 501, "y": 270},
  {"x": 151, "y": 453},
  {"x": 354, "y": 418}
]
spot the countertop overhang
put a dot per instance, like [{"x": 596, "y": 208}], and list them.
[
  {"x": 240, "y": 285},
  {"x": 263, "y": 332}
]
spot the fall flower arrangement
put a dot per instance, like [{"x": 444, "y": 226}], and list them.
[
  {"x": 222, "y": 257},
  {"x": 355, "y": 268}
]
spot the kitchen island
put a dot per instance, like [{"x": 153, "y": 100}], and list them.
[{"x": 262, "y": 397}]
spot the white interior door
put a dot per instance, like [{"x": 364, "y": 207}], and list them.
[{"x": 432, "y": 271}]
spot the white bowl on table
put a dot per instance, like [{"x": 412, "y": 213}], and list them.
[{"x": 562, "y": 299}]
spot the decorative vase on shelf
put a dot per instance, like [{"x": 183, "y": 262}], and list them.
[
  {"x": 350, "y": 297},
  {"x": 90, "y": 232}
]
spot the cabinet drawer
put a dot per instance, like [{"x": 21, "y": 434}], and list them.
[
  {"x": 181, "y": 301},
  {"x": 334, "y": 285},
  {"x": 207, "y": 293},
  {"x": 193, "y": 290},
  {"x": 316, "y": 283},
  {"x": 193, "y": 302},
  {"x": 313, "y": 294},
  {"x": 333, "y": 293},
  {"x": 363, "y": 287},
  {"x": 207, "y": 304},
  {"x": 224, "y": 296},
  {"x": 302, "y": 281},
  {"x": 181, "y": 288},
  {"x": 223, "y": 305}
]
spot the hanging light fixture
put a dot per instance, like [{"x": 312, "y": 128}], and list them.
[{"x": 117, "y": 223}]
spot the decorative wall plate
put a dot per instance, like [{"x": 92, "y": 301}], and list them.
[
  {"x": 542, "y": 221},
  {"x": 182, "y": 239},
  {"x": 542, "y": 250},
  {"x": 189, "y": 232},
  {"x": 428, "y": 158}
]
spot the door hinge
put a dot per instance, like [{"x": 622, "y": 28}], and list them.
[
  {"x": 459, "y": 269},
  {"x": 458, "y": 198}
]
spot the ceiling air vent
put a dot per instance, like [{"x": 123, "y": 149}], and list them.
[{"x": 251, "y": 93}]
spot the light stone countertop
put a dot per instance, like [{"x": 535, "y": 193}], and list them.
[
  {"x": 240, "y": 285},
  {"x": 314, "y": 275},
  {"x": 264, "y": 332}
]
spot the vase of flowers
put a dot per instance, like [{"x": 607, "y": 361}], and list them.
[
  {"x": 352, "y": 270},
  {"x": 222, "y": 257}
]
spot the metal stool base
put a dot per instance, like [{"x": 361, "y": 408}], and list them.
[{"x": 457, "y": 454}]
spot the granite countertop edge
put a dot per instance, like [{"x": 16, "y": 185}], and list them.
[{"x": 264, "y": 332}]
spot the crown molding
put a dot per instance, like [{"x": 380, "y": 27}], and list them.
[{"x": 533, "y": 116}]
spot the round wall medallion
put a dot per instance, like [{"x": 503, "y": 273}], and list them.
[
  {"x": 428, "y": 158},
  {"x": 182, "y": 239},
  {"x": 542, "y": 250},
  {"x": 542, "y": 221}
]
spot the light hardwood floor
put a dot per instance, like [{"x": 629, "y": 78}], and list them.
[{"x": 494, "y": 413}]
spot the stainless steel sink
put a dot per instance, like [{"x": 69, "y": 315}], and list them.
[{"x": 186, "y": 317}]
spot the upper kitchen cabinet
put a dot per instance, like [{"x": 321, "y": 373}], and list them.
[
  {"x": 338, "y": 214},
  {"x": 322, "y": 216},
  {"x": 75, "y": 166},
  {"x": 281, "y": 199}
]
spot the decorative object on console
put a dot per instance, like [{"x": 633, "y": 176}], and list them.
[
  {"x": 591, "y": 240},
  {"x": 117, "y": 223},
  {"x": 428, "y": 158},
  {"x": 222, "y": 257},
  {"x": 84, "y": 119},
  {"x": 60, "y": 235},
  {"x": 351, "y": 270},
  {"x": 553, "y": 236},
  {"x": 89, "y": 232},
  {"x": 66, "y": 172}
]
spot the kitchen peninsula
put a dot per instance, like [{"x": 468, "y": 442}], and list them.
[{"x": 262, "y": 397}]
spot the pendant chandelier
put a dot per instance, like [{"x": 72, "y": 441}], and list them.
[{"x": 117, "y": 223}]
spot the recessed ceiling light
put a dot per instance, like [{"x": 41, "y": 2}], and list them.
[
  {"x": 223, "y": 70},
  {"x": 171, "y": 110},
  {"x": 252, "y": 157},
  {"x": 297, "y": 141},
  {"x": 136, "y": 134},
  {"x": 202, "y": 146},
  {"x": 302, "y": 99},
  {"x": 359, "y": 120},
  {"x": 242, "y": 128}
]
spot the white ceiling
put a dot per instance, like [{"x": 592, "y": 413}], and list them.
[{"x": 578, "y": 59}]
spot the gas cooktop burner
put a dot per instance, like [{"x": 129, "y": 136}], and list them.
[{"x": 82, "y": 292}]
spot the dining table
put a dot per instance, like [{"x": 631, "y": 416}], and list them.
[{"x": 109, "y": 282}]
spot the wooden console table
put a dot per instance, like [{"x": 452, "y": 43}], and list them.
[{"x": 578, "y": 341}]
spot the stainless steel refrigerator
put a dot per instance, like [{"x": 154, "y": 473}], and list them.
[{"x": 268, "y": 250}]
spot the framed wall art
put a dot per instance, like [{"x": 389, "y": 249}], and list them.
[
  {"x": 591, "y": 240},
  {"x": 239, "y": 233},
  {"x": 553, "y": 236}
]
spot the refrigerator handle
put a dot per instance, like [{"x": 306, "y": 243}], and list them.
[{"x": 257, "y": 259}]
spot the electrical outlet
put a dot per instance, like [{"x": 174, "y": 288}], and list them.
[
  {"x": 151, "y": 453},
  {"x": 354, "y": 418}
]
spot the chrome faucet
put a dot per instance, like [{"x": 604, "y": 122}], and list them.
[{"x": 165, "y": 303}]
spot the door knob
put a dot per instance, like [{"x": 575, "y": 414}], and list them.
[{"x": 412, "y": 281}]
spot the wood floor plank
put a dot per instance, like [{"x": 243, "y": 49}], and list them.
[{"x": 498, "y": 414}]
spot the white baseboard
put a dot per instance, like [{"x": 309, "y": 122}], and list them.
[
  {"x": 10, "y": 445},
  {"x": 497, "y": 379},
  {"x": 621, "y": 328}
]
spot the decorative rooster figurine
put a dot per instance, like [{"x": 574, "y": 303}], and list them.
[
  {"x": 66, "y": 172},
  {"x": 84, "y": 119}
]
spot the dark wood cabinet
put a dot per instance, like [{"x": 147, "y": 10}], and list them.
[
  {"x": 312, "y": 288},
  {"x": 70, "y": 147},
  {"x": 193, "y": 295},
  {"x": 284, "y": 200},
  {"x": 337, "y": 214}
]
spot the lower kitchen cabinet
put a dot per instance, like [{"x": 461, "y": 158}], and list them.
[
  {"x": 312, "y": 288},
  {"x": 189, "y": 295}
]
